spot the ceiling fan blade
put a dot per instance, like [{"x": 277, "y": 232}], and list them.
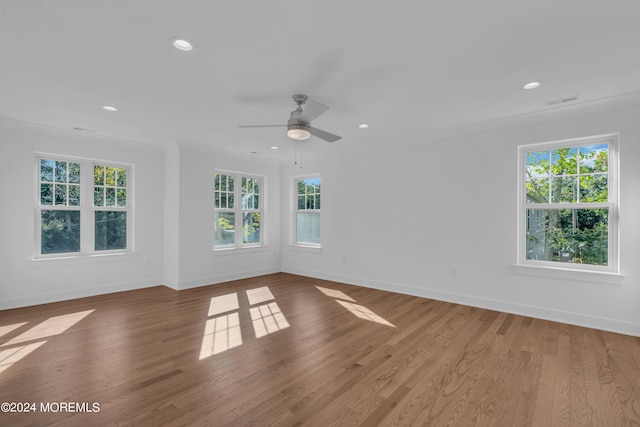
[
  {"x": 261, "y": 126},
  {"x": 329, "y": 137},
  {"x": 312, "y": 109}
]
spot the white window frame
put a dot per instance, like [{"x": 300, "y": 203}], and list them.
[
  {"x": 86, "y": 208},
  {"x": 612, "y": 204},
  {"x": 293, "y": 232},
  {"x": 238, "y": 210}
]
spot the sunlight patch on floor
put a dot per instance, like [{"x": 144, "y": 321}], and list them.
[
  {"x": 52, "y": 326},
  {"x": 221, "y": 334},
  {"x": 356, "y": 309},
  {"x": 8, "y": 328},
  {"x": 364, "y": 313},
  {"x": 223, "y": 303},
  {"x": 12, "y": 355},
  {"x": 267, "y": 319},
  {"x": 258, "y": 295},
  {"x": 333, "y": 293}
]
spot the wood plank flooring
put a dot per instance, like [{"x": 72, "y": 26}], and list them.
[{"x": 301, "y": 356}]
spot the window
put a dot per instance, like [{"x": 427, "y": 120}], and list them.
[
  {"x": 307, "y": 211},
  {"x": 568, "y": 204},
  {"x": 83, "y": 207},
  {"x": 238, "y": 200}
]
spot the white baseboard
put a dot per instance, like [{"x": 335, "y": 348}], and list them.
[
  {"x": 64, "y": 295},
  {"x": 605, "y": 324},
  {"x": 189, "y": 284}
]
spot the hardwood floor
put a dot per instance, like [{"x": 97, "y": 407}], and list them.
[{"x": 160, "y": 357}]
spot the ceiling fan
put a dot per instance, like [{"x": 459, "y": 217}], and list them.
[{"x": 299, "y": 124}]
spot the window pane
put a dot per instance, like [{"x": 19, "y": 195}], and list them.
[
  {"x": 301, "y": 187},
  {"x": 317, "y": 201},
  {"x": 308, "y": 228},
  {"x": 594, "y": 188},
  {"x": 122, "y": 197},
  {"x": 110, "y": 176},
  {"x": 122, "y": 177},
  {"x": 309, "y": 202},
  {"x": 111, "y": 230},
  {"x": 74, "y": 195},
  {"x": 74, "y": 173},
  {"x": 594, "y": 158},
  {"x": 98, "y": 196},
  {"x": 568, "y": 235},
  {"x": 538, "y": 190},
  {"x": 563, "y": 190},
  {"x": 61, "y": 194},
  {"x": 216, "y": 181},
  {"x": 60, "y": 231},
  {"x": 98, "y": 175},
  {"x": 538, "y": 164},
  {"x": 251, "y": 227},
  {"x": 110, "y": 196},
  {"x": 46, "y": 170},
  {"x": 564, "y": 161},
  {"x": 225, "y": 228},
  {"x": 61, "y": 171},
  {"x": 46, "y": 194},
  {"x": 300, "y": 202},
  {"x": 230, "y": 181}
]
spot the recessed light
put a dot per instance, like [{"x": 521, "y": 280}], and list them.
[
  {"x": 363, "y": 126},
  {"x": 274, "y": 147},
  {"x": 182, "y": 44},
  {"x": 109, "y": 108},
  {"x": 531, "y": 85}
]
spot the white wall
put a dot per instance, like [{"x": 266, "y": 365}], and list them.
[
  {"x": 435, "y": 219},
  {"x": 197, "y": 264},
  {"x": 24, "y": 281},
  {"x": 438, "y": 219},
  {"x": 173, "y": 229}
]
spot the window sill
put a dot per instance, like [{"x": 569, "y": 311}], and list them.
[
  {"x": 239, "y": 251},
  {"x": 306, "y": 248},
  {"x": 84, "y": 259},
  {"x": 569, "y": 274}
]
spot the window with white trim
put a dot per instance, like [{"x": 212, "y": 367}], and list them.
[
  {"x": 568, "y": 204},
  {"x": 238, "y": 210},
  {"x": 83, "y": 207},
  {"x": 307, "y": 210}
]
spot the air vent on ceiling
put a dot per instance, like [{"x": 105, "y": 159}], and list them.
[
  {"x": 79, "y": 129},
  {"x": 561, "y": 100}
]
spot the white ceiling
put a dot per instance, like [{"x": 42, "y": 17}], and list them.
[{"x": 413, "y": 70}]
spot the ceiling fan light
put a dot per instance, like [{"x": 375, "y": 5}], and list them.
[{"x": 298, "y": 134}]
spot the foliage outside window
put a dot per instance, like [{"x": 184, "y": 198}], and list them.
[
  {"x": 238, "y": 202},
  {"x": 110, "y": 207},
  {"x": 82, "y": 208},
  {"x": 568, "y": 204},
  {"x": 307, "y": 212}
]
